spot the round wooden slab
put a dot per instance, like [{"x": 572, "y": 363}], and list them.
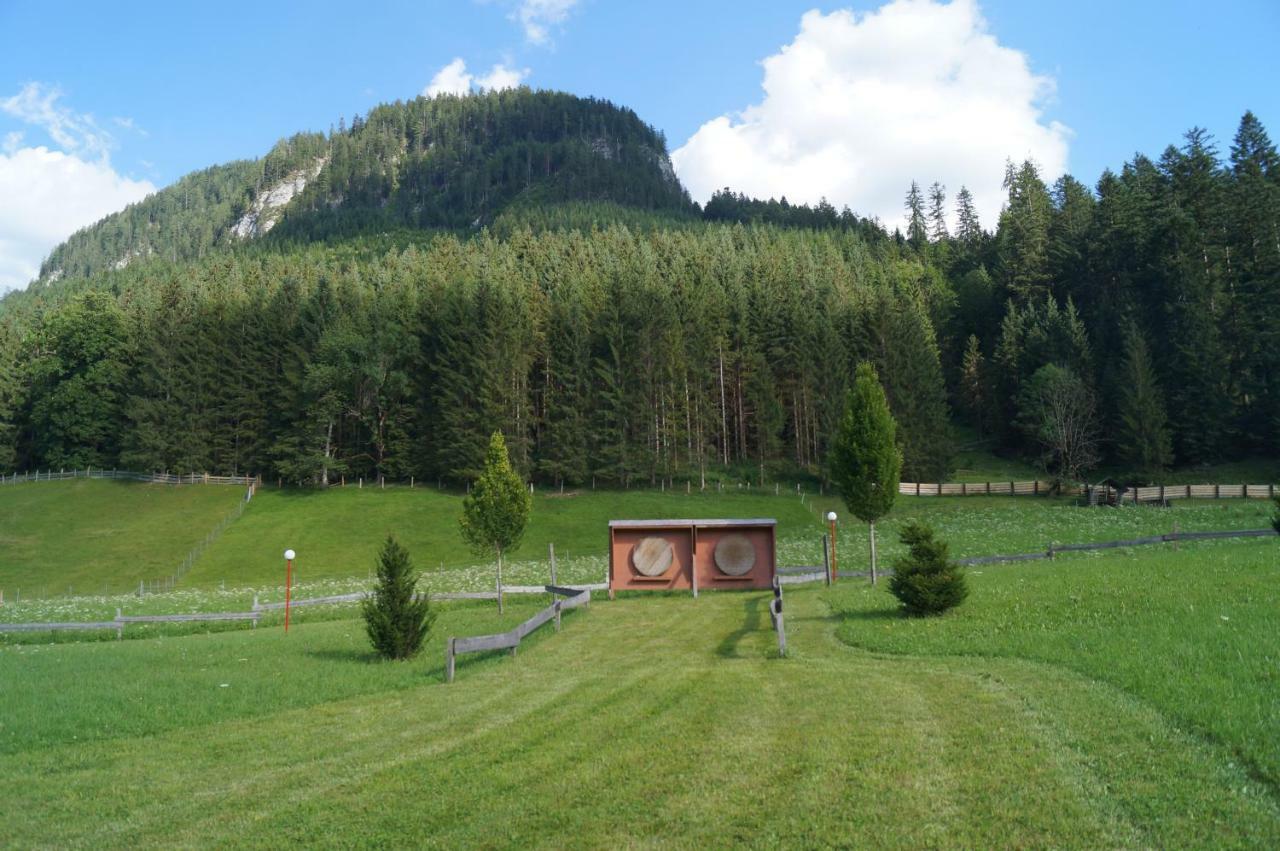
[
  {"x": 652, "y": 556},
  {"x": 735, "y": 555}
]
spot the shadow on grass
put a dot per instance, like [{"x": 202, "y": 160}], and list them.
[{"x": 753, "y": 608}]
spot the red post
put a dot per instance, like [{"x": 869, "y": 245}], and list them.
[{"x": 288, "y": 585}]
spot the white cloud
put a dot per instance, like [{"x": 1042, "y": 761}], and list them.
[
  {"x": 75, "y": 132},
  {"x": 455, "y": 79},
  {"x": 49, "y": 194},
  {"x": 537, "y": 17},
  {"x": 859, "y": 105}
]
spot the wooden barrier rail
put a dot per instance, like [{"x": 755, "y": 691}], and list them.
[
  {"x": 118, "y": 624},
  {"x": 802, "y": 575},
  {"x": 775, "y": 614},
  {"x": 1153, "y": 493},
  {"x": 511, "y": 639},
  {"x": 125, "y": 475}
]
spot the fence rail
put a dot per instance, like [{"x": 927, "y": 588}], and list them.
[
  {"x": 118, "y": 624},
  {"x": 1153, "y": 493},
  {"x": 510, "y": 640},
  {"x": 803, "y": 575},
  {"x": 126, "y": 475},
  {"x": 775, "y": 615}
]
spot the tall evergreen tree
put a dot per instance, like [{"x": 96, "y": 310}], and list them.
[
  {"x": 917, "y": 222},
  {"x": 865, "y": 459},
  {"x": 1142, "y": 439}
]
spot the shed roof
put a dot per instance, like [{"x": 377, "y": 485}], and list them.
[{"x": 681, "y": 524}]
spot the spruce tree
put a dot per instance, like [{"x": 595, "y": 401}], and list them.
[
  {"x": 396, "y": 620},
  {"x": 917, "y": 226},
  {"x": 973, "y": 378},
  {"x": 865, "y": 459},
  {"x": 925, "y": 581},
  {"x": 1143, "y": 439},
  {"x": 495, "y": 512}
]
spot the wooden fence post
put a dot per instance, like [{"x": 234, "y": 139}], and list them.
[
  {"x": 826, "y": 558},
  {"x": 448, "y": 661},
  {"x": 1175, "y": 535}
]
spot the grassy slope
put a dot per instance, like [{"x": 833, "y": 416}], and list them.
[
  {"x": 649, "y": 720},
  {"x": 1196, "y": 632},
  {"x": 92, "y": 535},
  {"x": 88, "y": 535},
  {"x": 337, "y": 533}
]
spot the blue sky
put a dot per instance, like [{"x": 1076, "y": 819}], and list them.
[{"x": 154, "y": 90}]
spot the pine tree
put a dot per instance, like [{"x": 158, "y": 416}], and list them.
[
  {"x": 1143, "y": 438},
  {"x": 907, "y": 361},
  {"x": 917, "y": 227},
  {"x": 1023, "y": 235},
  {"x": 496, "y": 510},
  {"x": 865, "y": 459},
  {"x": 1254, "y": 213},
  {"x": 396, "y": 618},
  {"x": 925, "y": 581},
  {"x": 973, "y": 379},
  {"x": 968, "y": 228},
  {"x": 938, "y": 213}
]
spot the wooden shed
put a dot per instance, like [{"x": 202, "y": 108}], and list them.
[{"x": 667, "y": 555}]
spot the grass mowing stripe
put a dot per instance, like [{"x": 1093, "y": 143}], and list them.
[{"x": 641, "y": 724}]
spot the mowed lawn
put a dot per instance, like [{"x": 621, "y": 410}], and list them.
[
  {"x": 89, "y": 536},
  {"x": 1195, "y": 632},
  {"x": 671, "y": 721}
]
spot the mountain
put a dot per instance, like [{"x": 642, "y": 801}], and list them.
[{"x": 441, "y": 163}]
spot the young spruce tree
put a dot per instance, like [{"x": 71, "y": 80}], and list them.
[
  {"x": 925, "y": 581},
  {"x": 396, "y": 622},
  {"x": 865, "y": 460},
  {"x": 496, "y": 510}
]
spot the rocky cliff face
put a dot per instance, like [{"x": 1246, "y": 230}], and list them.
[{"x": 265, "y": 212}]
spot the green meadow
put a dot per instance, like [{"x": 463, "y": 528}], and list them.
[{"x": 1065, "y": 705}]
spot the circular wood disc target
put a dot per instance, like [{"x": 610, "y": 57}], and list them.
[
  {"x": 735, "y": 555},
  {"x": 652, "y": 556}
]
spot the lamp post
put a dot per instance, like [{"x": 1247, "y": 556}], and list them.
[
  {"x": 831, "y": 522},
  {"x": 288, "y": 584}
]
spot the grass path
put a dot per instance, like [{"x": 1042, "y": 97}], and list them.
[{"x": 647, "y": 721}]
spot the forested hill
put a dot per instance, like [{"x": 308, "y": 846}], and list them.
[
  {"x": 443, "y": 162},
  {"x": 615, "y": 335}
]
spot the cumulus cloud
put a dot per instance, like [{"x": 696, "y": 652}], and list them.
[
  {"x": 455, "y": 79},
  {"x": 537, "y": 17},
  {"x": 859, "y": 105},
  {"x": 50, "y": 193}
]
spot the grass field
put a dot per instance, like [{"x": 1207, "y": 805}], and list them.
[
  {"x": 670, "y": 721},
  {"x": 1196, "y": 632},
  {"x": 100, "y": 538},
  {"x": 88, "y": 536}
]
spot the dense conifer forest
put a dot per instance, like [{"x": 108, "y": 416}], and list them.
[{"x": 527, "y": 261}]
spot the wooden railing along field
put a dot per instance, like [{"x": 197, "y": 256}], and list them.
[
  {"x": 511, "y": 639},
  {"x": 1154, "y": 493},
  {"x": 126, "y": 475}
]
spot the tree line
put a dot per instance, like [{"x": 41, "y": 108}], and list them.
[{"x": 1133, "y": 325}]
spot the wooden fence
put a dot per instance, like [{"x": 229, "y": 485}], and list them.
[
  {"x": 1155, "y": 493},
  {"x": 775, "y": 615},
  {"x": 802, "y": 575},
  {"x": 511, "y": 639},
  {"x": 126, "y": 475},
  {"x": 1034, "y": 488},
  {"x": 118, "y": 624}
]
